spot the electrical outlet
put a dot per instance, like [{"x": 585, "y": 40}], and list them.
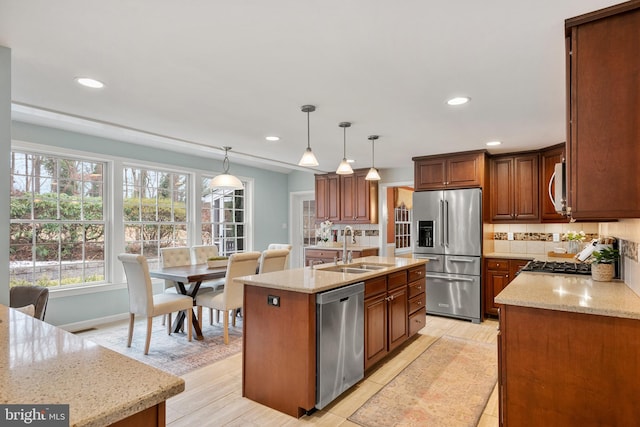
[
  {"x": 509, "y": 236},
  {"x": 556, "y": 237},
  {"x": 273, "y": 300}
]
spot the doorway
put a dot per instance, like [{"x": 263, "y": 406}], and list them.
[{"x": 303, "y": 225}]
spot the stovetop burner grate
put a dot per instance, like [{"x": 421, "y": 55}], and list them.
[{"x": 561, "y": 267}]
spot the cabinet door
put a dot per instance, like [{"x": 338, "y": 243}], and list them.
[
  {"x": 348, "y": 198},
  {"x": 464, "y": 171},
  {"x": 430, "y": 174},
  {"x": 548, "y": 160},
  {"x": 366, "y": 198},
  {"x": 602, "y": 147},
  {"x": 375, "y": 329},
  {"x": 322, "y": 189},
  {"x": 496, "y": 282},
  {"x": 502, "y": 191},
  {"x": 526, "y": 185},
  {"x": 514, "y": 267},
  {"x": 398, "y": 317}
]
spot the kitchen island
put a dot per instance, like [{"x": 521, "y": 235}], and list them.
[
  {"x": 279, "y": 337},
  {"x": 568, "y": 351},
  {"x": 43, "y": 365}
]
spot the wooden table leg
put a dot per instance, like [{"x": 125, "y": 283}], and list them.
[{"x": 180, "y": 318}]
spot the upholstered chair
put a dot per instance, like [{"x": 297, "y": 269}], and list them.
[
  {"x": 22, "y": 296},
  {"x": 142, "y": 301},
  {"x": 273, "y": 260},
  {"x": 231, "y": 296},
  {"x": 281, "y": 246},
  {"x": 201, "y": 253}
]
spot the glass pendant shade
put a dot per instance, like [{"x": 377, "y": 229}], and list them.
[
  {"x": 226, "y": 181},
  {"x": 308, "y": 159},
  {"x": 344, "y": 168},
  {"x": 373, "y": 174}
]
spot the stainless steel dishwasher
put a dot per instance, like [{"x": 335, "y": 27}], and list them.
[{"x": 340, "y": 341}]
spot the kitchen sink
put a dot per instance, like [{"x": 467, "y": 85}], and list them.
[{"x": 346, "y": 269}]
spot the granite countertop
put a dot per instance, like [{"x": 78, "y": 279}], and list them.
[
  {"x": 336, "y": 246},
  {"x": 575, "y": 293},
  {"x": 43, "y": 364},
  {"x": 538, "y": 257},
  {"x": 313, "y": 280}
]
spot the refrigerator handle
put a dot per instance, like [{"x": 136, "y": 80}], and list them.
[
  {"x": 442, "y": 223},
  {"x": 446, "y": 204}
]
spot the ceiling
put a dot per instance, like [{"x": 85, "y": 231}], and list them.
[{"x": 199, "y": 75}]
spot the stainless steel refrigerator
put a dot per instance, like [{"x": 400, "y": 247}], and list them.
[{"x": 448, "y": 232}]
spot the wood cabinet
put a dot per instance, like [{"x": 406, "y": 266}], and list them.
[
  {"x": 417, "y": 299},
  {"x": 346, "y": 199},
  {"x": 328, "y": 197},
  {"x": 548, "y": 159},
  {"x": 498, "y": 272},
  {"x": 385, "y": 315},
  {"x": 603, "y": 153},
  {"x": 459, "y": 170},
  {"x": 567, "y": 369},
  {"x": 514, "y": 188},
  {"x": 327, "y": 256}
]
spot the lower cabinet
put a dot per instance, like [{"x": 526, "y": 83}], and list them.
[
  {"x": 559, "y": 368},
  {"x": 417, "y": 300},
  {"x": 385, "y": 316},
  {"x": 498, "y": 273}
]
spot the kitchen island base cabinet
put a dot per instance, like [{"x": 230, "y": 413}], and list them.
[
  {"x": 279, "y": 350},
  {"x": 566, "y": 368}
]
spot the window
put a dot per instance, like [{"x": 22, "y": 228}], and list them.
[
  {"x": 155, "y": 211},
  {"x": 57, "y": 220},
  {"x": 402, "y": 217},
  {"x": 223, "y": 218}
]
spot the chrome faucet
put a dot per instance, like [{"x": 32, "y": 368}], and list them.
[{"x": 344, "y": 246}]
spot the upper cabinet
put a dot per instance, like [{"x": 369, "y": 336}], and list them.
[
  {"x": 603, "y": 145},
  {"x": 347, "y": 199},
  {"x": 548, "y": 159},
  {"x": 515, "y": 188},
  {"x": 459, "y": 170}
]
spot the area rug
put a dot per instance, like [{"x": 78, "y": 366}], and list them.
[
  {"x": 170, "y": 353},
  {"x": 449, "y": 384}
]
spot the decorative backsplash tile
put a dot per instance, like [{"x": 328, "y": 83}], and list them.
[
  {"x": 541, "y": 237},
  {"x": 629, "y": 249}
]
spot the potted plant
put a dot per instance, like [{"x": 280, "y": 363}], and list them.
[{"x": 602, "y": 265}]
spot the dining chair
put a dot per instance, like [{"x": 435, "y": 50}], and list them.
[
  {"x": 23, "y": 296},
  {"x": 273, "y": 260},
  {"x": 199, "y": 255},
  {"x": 230, "y": 297},
  {"x": 281, "y": 246},
  {"x": 143, "y": 302}
]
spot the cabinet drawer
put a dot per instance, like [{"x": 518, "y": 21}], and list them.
[
  {"x": 498, "y": 264},
  {"x": 416, "y": 303},
  {"x": 397, "y": 279},
  {"x": 375, "y": 286},
  {"x": 321, "y": 253},
  {"x": 417, "y": 273},
  {"x": 417, "y": 321},
  {"x": 416, "y": 287}
]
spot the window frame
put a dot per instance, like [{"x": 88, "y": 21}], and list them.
[{"x": 113, "y": 208}]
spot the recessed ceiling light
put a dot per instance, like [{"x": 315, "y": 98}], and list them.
[
  {"x": 89, "y": 82},
  {"x": 272, "y": 138},
  {"x": 459, "y": 100},
  {"x": 492, "y": 143}
]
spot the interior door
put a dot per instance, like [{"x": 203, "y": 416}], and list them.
[{"x": 303, "y": 226}]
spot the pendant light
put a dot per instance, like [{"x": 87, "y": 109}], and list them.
[
  {"x": 308, "y": 159},
  {"x": 344, "y": 168},
  {"x": 373, "y": 174},
  {"x": 226, "y": 181}
]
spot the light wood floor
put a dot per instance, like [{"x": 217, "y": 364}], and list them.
[{"x": 213, "y": 394}]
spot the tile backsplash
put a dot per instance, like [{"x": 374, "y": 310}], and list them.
[
  {"x": 366, "y": 234},
  {"x": 535, "y": 238}
]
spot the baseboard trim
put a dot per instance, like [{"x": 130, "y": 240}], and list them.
[{"x": 92, "y": 323}]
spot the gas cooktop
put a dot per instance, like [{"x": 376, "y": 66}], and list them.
[{"x": 560, "y": 267}]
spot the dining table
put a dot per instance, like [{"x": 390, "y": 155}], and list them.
[{"x": 187, "y": 280}]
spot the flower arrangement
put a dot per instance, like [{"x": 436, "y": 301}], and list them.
[
  {"x": 324, "y": 232},
  {"x": 574, "y": 235}
]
